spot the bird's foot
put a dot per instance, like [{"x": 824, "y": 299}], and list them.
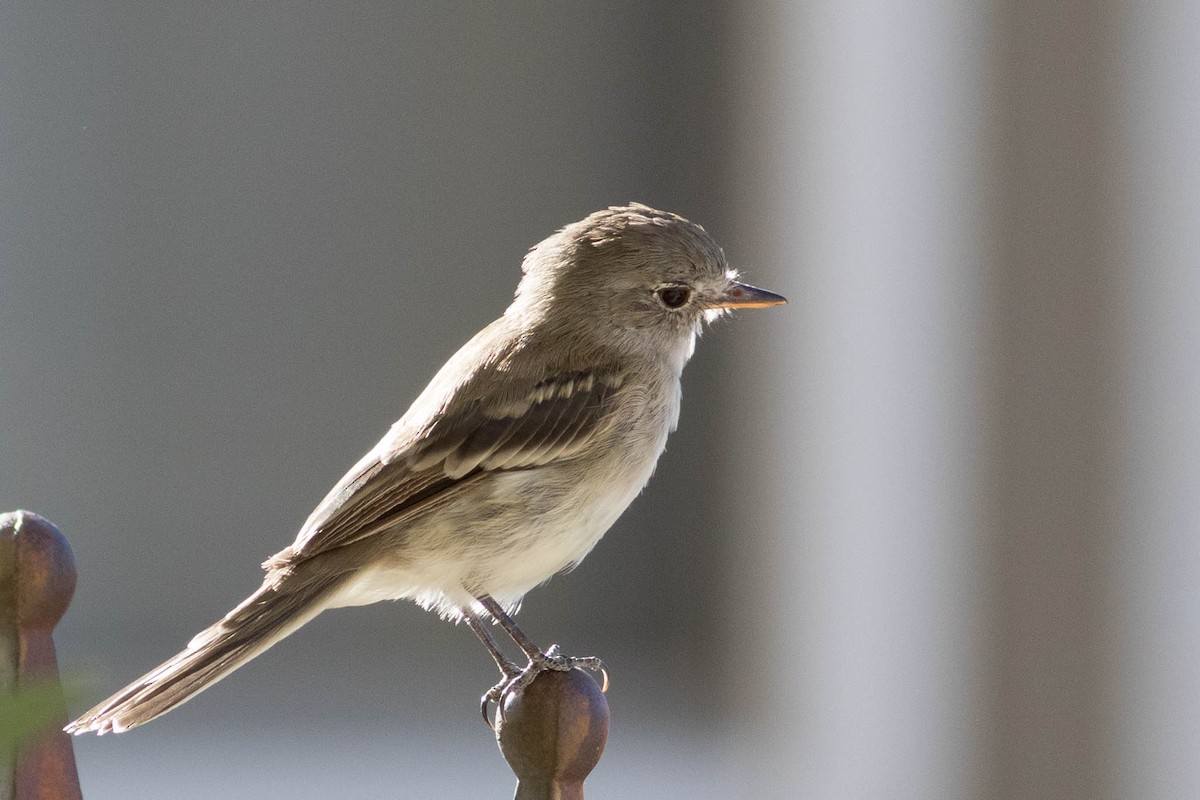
[
  {"x": 555, "y": 660},
  {"x": 552, "y": 659}
]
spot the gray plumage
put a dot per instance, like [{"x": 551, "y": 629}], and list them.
[{"x": 508, "y": 468}]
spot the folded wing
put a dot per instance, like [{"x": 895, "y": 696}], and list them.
[{"x": 409, "y": 474}]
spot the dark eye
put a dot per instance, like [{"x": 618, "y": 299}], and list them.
[{"x": 674, "y": 296}]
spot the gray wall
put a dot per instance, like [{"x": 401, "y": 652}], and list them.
[{"x": 927, "y": 532}]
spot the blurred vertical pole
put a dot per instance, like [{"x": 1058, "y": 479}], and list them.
[
  {"x": 857, "y": 169},
  {"x": 1159, "y": 552},
  {"x": 1052, "y": 325}
]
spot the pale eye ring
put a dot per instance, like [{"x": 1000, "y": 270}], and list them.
[{"x": 674, "y": 296}]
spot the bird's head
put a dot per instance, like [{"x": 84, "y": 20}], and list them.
[{"x": 635, "y": 275}]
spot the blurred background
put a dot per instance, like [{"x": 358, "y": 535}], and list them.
[{"x": 927, "y": 532}]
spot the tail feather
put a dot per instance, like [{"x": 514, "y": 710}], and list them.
[{"x": 267, "y": 616}]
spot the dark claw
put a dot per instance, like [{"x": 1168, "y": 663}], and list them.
[{"x": 484, "y": 702}]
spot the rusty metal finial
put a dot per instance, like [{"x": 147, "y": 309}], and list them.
[
  {"x": 552, "y": 734},
  {"x": 37, "y": 579}
]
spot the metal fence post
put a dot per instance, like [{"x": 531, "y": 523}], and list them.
[
  {"x": 553, "y": 733},
  {"x": 37, "y": 579}
]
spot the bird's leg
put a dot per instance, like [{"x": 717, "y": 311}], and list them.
[
  {"x": 539, "y": 661},
  {"x": 510, "y": 627},
  {"x": 507, "y": 668}
]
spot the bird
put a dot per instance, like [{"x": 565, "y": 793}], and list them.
[{"x": 507, "y": 469}]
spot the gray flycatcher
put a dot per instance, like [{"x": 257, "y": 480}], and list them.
[{"x": 522, "y": 451}]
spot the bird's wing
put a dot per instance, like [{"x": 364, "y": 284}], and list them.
[{"x": 417, "y": 468}]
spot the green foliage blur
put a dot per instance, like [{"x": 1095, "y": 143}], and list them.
[{"x": 27, "y": 712}]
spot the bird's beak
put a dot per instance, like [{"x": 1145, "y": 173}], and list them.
[{"x": 741, "y": 295}]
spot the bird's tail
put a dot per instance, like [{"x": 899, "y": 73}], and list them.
[{"x": 274, "y": 611}]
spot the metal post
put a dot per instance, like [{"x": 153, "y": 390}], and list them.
[
  {"x": 553, "y": 733},
  {"x": 37, "y": 579}
]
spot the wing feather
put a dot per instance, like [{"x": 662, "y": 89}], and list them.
[{"x": 407, "y": 475}]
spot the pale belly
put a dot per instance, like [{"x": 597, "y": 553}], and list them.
[{"x": 528, "y": 526}]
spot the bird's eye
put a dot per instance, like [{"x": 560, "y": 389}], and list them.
[{"x": 674, "y": 296}]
